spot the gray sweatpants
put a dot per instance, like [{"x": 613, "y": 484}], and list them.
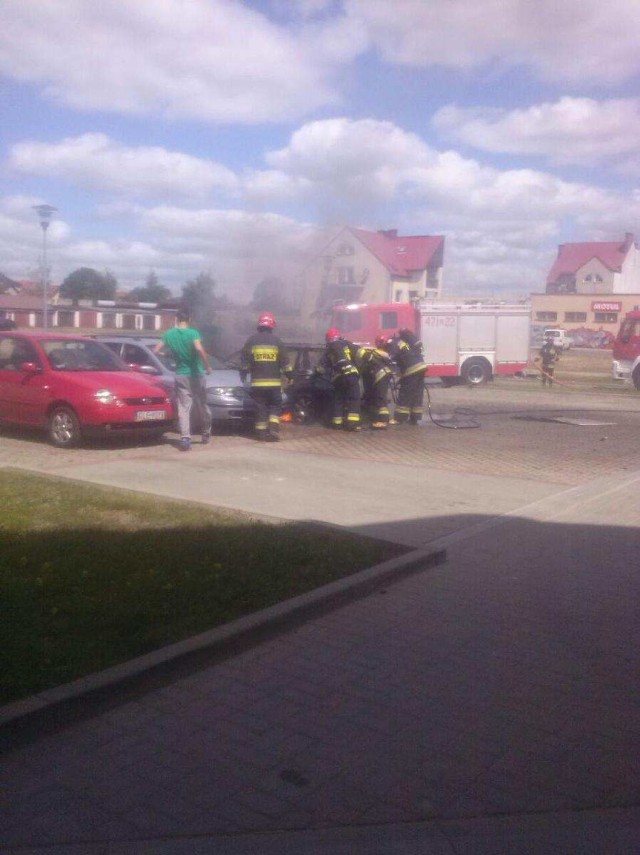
[{"x": 192, "y": 390}]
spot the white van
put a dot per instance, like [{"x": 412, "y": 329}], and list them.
[{"x": 560, "y": 338}]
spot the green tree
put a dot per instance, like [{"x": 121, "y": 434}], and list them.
[
  {"x": 85, "y": 283},
  {"x": 112, "y": 282},
  {"x": 199, "y": 297},
  {"x": 151, "y": 292},
  {"x": 268, "y": 295}
]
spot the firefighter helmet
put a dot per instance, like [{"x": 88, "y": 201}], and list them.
[
  {"x": 332, "y": 334},
  {"x": 266, "y": 321},
  {"x": 382, "y": 341}
]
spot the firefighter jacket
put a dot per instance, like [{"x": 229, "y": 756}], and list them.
[
  {"x": 549, "y": 354},
  {"x": 338, "y": 359},
  {"x": 374, "y": 363},
  {"x": 264, "y": 357},
  {"x": 406, "y": 355}
]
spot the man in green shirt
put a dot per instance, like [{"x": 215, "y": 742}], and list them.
[{"x": 185, "y": 345}]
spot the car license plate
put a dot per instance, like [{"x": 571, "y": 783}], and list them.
[{"x": 150, "y": 415}]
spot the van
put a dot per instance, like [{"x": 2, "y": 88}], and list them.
[{"x": 560, "y": 338}]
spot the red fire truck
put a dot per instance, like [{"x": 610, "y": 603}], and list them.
[
  {"x": 462, "y": 342},
  {"x": 626, "y": 350}
]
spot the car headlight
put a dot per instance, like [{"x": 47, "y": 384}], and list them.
[
  {"x": 104, "y": 396},
  {"x": 222, "y": 391}
]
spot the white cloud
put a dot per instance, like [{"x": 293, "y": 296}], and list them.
[
  {"x": 575, "y": 40},
  {"x": 97, "y": 162},
  {"x": 502, "y": 226},
  {"x": 209, "y": 60},
  {"x": 569, "y": 131},
  {"x": 516, "y": 216}
]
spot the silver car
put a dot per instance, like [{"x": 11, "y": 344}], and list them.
[{"x": 229, "y": 400}]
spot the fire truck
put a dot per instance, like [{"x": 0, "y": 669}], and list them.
[
  {"x": 626, "y": 350},
  {"x": 470, "y": 343}
]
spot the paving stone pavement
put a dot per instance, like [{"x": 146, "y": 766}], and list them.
[{"x": 502, "y": 685}]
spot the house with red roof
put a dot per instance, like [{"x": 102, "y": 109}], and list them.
[
  {"x": 597, "y": 267},
  {"x": 360, "y": 266},
  {"x": 589, "y": 289}
]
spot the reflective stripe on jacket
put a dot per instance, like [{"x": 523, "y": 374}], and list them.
[{"x": 265, "y": 357}]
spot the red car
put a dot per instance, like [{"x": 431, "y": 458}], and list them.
[{"x": 75, "y": 387}]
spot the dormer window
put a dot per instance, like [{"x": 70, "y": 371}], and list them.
[
  {"x": 401, "y": 250},
  {"x": 345, "y": 249}
]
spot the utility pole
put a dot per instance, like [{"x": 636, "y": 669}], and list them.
[{"x": 45, "y": 213}]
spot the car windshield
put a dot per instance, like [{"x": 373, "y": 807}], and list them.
[
  {"x": 75, "y": 355},
  {"x": 167, "y": 360}
]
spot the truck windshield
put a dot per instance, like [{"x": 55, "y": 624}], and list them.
[{"x": 630, "y": 328}]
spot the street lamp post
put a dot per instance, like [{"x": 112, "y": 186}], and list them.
[{"x": 45, "y": 213}]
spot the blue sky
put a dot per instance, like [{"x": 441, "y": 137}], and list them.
[{"x": 225, "y": 136}]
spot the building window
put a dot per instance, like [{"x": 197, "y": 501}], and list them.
[
  {"x": 128, "y": 322},
  {"x": 398, "y": 297},
  {"x": 546, "y": 316},
  {"x": 606, "y": 317},
  {"x": 593, "y": 277},
  {"x": 345, "y": 249},
  {"x": 148, "y": 322},
  {"x": 108, "y": 320},
  {"x": 388, "y": 320},
  {"x": 575, "y": 317},
  {"x": 346, "y": 276}
]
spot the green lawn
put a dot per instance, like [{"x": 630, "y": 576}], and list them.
[{"x": 90, "y": 576}]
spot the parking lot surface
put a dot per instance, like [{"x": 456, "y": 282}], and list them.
[{"x": 487, "y": 705}]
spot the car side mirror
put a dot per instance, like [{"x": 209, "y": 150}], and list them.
[{"x": 30, "y": 368}]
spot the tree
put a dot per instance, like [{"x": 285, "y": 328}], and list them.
[
  {"x": 268, "y": 295},
  {"x": 199, "y": 297},
  {"x": 151, "y": 292},
  {"x": 85, "y": 283}
]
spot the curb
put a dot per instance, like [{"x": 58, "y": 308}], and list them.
[{"x": 54, "y": 708}]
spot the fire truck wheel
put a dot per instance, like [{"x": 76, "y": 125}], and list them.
[
  {"x": 475, "y": 372},
  {"x": 636, "y": 378}
]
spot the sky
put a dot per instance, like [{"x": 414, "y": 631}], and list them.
[{"x": 228, "y": 136}]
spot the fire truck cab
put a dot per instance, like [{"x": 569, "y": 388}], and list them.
[{"x": 626, "y": 350}]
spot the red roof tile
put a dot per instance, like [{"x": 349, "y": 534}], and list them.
[
  {"x": 401, "y": 255},
  {"x": 573, "y": 256}
]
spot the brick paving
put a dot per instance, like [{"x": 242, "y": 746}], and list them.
[{"x": 502, "y": 683}]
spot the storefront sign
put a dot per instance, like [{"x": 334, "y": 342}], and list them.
[{"x": 602, "y": 306}]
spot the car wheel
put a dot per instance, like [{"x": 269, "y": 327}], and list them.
[
  {"x": 636, "y": 378},
  {"x": 64, "y": 428},
  {"x": 475, "y": 372},
  {"x": 303, "y": 409}
]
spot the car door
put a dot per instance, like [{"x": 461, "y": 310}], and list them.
[{"x": 23, "y": 394}]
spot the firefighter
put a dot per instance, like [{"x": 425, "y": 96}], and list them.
[
  {"x": 375, "y": 368},
  {"x": 405, "y": 349},
  {"x": 265, "y": 358},
  {"x": 549, "y": 354},
  {"x": 337, "y": 362}
]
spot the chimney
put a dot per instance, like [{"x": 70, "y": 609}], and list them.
[
  {"x": 390, "y": 233},
  {"x": 628, "y": 240}
]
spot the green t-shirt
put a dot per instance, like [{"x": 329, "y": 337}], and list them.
[{"x": 180, "y": 341}]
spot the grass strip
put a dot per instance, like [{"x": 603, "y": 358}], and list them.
[{"x": 92, "y": 576}]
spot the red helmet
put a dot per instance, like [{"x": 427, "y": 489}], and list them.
[
  {"x": 332, "y": 334},
  {"x": 266, "y": 321},
  {"x": 382, "y": 341}
]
